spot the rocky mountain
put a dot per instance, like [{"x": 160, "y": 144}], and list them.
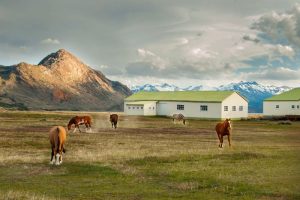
[
  {"x": 253, "y": 91},
  {"x": 59, "y": 82}
]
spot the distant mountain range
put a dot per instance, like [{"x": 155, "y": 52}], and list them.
[
  {"x": 59, "y": 82},
  {"x": 253, "y": 91}
]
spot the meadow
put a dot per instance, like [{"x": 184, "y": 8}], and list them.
[{"x": 148, "y": 158}]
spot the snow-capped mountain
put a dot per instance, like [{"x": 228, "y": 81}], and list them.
[
  {"x": 164, "y": 87},
  {"x": 254, "y": 92}
]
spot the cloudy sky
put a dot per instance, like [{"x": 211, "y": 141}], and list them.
[{"x": 183, "y": 42}]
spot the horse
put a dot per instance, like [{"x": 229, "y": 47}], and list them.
[
  {"x": 179, "y": 117},
  {"x": 79, "y": 120},
  {"x": 223, "y": 129},
  {"x": 57, "y": 137},
  {"x": 113, "y": 118}
]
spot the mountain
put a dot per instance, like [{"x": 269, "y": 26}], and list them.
[
  {"x": 254, "y": 92},
  {"x": 164, "y": 87},
  {"x": 59, "y": 82}
]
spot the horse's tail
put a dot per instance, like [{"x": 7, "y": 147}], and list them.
[{"x": 57, "y": 140}]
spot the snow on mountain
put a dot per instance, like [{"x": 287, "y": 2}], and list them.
[
  {"x": 164, "y": 87},
  {"x": 254, "y": 92}
]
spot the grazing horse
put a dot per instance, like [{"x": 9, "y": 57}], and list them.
[
  {"x": 113, "y": 118},
  {"x": 79, "y": 120},
  {"x": 223, "y": 129},
  {"x": 179, "y": 117},
  {"x": 57, "y": 137}
]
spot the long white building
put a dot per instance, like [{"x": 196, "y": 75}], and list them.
[
  {"x": 198, "y": 104},
  {"x": 287, "y": 103}
]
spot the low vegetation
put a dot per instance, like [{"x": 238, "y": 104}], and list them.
[{"x": 148, "y": 158}]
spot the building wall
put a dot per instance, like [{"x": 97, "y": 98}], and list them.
[
  {"x": 191, "y": 109},
  {"x": 285, "y": 108},
  {"x": 150, "y": 109},
  {"x": 237, "y": 101}
]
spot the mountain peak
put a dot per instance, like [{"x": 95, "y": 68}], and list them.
[{"x": 58, "y": 56}]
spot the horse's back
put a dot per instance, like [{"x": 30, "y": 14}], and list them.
[
  {"x": 114, "y": 117},
  {"x": 178, "y": 116},
  {"x": 57, "y": 132}
]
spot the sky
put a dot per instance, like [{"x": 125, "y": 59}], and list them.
[{"x": 181, "y": 42}]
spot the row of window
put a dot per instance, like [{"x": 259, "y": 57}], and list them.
[
  {"x": 205, "y": 108},
  {"x": 292, "y": 106},
  {"x": 233, "y": 108},
  {"x": 139, "y": 107}
]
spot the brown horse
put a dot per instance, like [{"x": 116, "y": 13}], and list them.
[
  {"x": 113, "y": 118},
  {"x": 57, "y": 137},
  {"x": 79, "y": 120},
  {"x": 223, "y": 129}
]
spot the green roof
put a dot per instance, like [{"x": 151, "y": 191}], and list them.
[
  {"x": 291, "y": 95},
  {"x": 193, "y": 96}
]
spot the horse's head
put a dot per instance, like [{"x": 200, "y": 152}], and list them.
[
  {"x": 228, "y": 124},
  {"x": 70, "y": 123}
]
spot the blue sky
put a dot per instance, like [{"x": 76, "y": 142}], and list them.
[{"x": 191, "y": 42}]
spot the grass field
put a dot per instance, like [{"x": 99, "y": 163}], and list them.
[{"x": 148, "y": 158}]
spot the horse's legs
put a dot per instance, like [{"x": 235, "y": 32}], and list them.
[
  {"x": 52, "y": 155},
  {"x": 116, "y": 124},
  {"x": 229, "y": 140},
  {"x": 86, "y": 127},
  {"x": 78, "y": 128},
  {"x": 221, "y": 141}
]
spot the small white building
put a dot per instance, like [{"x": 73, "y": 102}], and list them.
[
  {"x": 287, "y": 103},
  {"x": 198, "y": 104}
]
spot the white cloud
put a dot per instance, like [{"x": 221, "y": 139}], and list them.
[
  {"x": 270, "y": 73},
  {"x": 50, "y": 41},
  {"x": 281, "y": 26},
  {"x": 150, "y": 57}
]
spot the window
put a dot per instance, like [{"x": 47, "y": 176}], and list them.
[
  {"x": 133, "y": 107},
  {"x": 128, "y": 107},
  {"x": 298, "y": 106},
  {"x": 142, "y": 107},
  {"x": 233, "y": 108},
  {"x": 203, "y": 108},
  {"x": 137, "y": 107},
  {"x": 241, "y": 108},
  {"x": 277, "y": 106},
  {"x": 293, "y": 106},
  {"x": 225, "y": 108},
  {"x": 153, "y": 108},
  {"x": 180, "y": 107}
]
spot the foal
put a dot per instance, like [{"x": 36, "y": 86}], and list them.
[{"x": 223, "y": 129}]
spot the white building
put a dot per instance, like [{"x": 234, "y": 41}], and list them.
[
  {"x": 199, "y": 104},
  {"x": 287, "y": 103}
]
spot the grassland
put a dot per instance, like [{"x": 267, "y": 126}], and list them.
[{"x": 148, "y": 158}]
